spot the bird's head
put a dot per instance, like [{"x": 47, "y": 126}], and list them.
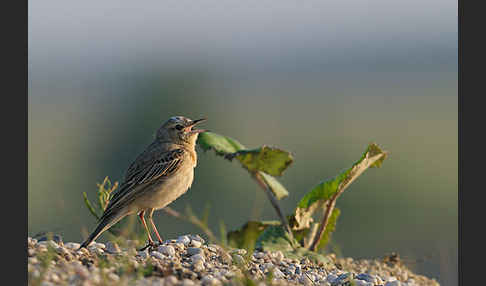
[{"x": 180, "y": 130}]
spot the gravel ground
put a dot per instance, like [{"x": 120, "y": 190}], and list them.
[{"x": 189, "y": 260}]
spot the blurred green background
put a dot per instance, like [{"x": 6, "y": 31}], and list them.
[{"x": 320, "y": 80}]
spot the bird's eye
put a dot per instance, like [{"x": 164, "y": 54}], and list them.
[{"x": 179, "y": 127}]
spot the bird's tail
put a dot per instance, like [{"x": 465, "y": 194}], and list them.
[{"x": 104, "y": 224}]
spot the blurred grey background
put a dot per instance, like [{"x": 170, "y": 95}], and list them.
[{"x": 319, "y": 78}]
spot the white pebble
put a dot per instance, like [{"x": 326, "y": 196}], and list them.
[
  {"x": 113, "y": 277},
  {"x": 112, "y": 247},
  {"x": 157, "y": 255},
  {"x": 184, "y": 240},
  {"x": 331, "y": 278},
  {"x": 277, "y": 273},
  {"x": 187, "y": 282},
  {"x": 194, "y": 250},
  {"x": 72, "y": 245},
  {"x": 195, "y": 243},
  {"x": 167, "y": 250},
  {"x": 197, "y": 257}
]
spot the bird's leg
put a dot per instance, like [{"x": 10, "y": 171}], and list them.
[
  {"x": 150, "y": 214},
  {"x": 151, "y": 242}
]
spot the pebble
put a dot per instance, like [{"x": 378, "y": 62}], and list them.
[
  {"x": 366, "y": 277},
  {"x": 195, "y": 243},
  {"x": 187, "y": 282},
  {"x": 167, "y": 250},
  {"x": 112, "y": 247},
  {"x": 99, "y": 245},
  {"x": 143, "y": 254},
  {"x": 194, "y": 250},
  {"x": 170, "y": 280},
  {"x": 278, "y": 274},
  {"x": 197, "y": 263},
  {"x": 56, "y": 238},
  {"x": 184, "y": 240},
  {"x": 72, "y": 245},
  {"x": 114, "y": 277},
  {"x": 157, "y": 255},
  {"x": 197, "y": 257},
  {"x": 331, "y": 278},
  {"x": 197, "y": 237}
]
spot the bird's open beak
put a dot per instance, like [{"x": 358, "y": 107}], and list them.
[{"x": 194, "y": 122}]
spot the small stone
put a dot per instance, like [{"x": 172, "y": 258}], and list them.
[
  {"x": 197, "y": 257},
  {"x": 184, "y": 240},
  {"x": 303, "y": 279},
  {"x": 112, "y": 247},
  {"x": 239, "y": 251},
  {"x": 167, "y": 250},
  {"x": 198, "y": 265},
  {"x": 278, "y": 274},
  {"x": 197, "y": 238},
  {"x": 210, "y": 281},
  {"x": 366, "y": 277},
  {"x": 82, "y": 272},
  {"x": 331, "y": 278},
  {"x": 157, "y": 255},
  {"x": 56, "y": 238},
  {"x": 114, "y": 277},
  {"x": 267, "y": 267},
  {"x": 55, "y": 278},
  {"x": 99, "y": 245},
  {"x": 393, "y": 283},
  {"x": 143, "y": 254},
  {"x": 187, "y": 282},
  {"x": 258, "y": 255},
  {"x": 195, "y": 243},
  {"x": 62, "y": 251},
  {"x": 290, "y": 270},
  {"x": 226, "y": 258},
  {"x": 72, "y": 245},
  {"x": 170, "y": 280},
  {"x": 278, "y": 256},
  {"x": 194, "y": 250},
  {"x": 358, "y": 282}
]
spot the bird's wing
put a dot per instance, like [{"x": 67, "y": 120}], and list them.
[{"x": 146, "y": 169}]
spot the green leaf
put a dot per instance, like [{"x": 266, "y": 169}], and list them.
[
  {"x": 271, "y": 160},
  {"x": 221, "y": 145},
  {"x": 248, "y": 234},
  {"x": 267, "y": 161},
  {"x": 274, "y": 238},
  {"x": 330, "y": 228},
  {"x": 89, "y": 206},
  {"x": 372, "y": 157},
  {"x": 277, "y": 189}
]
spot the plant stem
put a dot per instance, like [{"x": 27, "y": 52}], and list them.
[
  {"x": 322, "y": 226},
  {"x": 275, "y": 205}
]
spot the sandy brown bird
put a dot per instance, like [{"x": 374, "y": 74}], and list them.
[{"x": 159, "y": 175}]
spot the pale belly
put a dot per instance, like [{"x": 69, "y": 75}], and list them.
[{"x": 159, "y": 196}]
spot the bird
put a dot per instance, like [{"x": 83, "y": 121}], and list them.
[{"x": 159, "y": 175}]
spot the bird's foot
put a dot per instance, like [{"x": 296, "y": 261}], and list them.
[{"x": 152, "y": 245}]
